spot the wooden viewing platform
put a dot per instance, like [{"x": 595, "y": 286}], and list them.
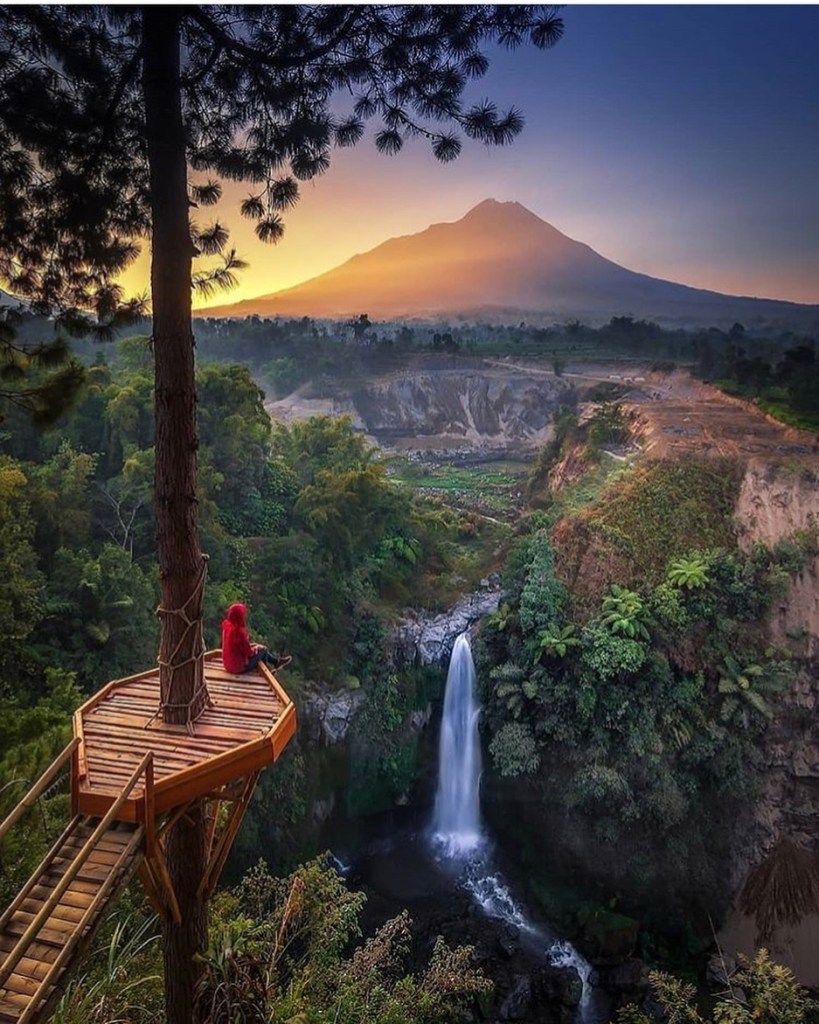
[
  {"x": 132, "y": 776},
  {"x": 249, "y": 724}
]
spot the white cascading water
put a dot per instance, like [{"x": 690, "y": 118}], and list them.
[{"x": 456, "y": 823}]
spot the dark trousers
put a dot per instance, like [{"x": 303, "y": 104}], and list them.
[{"x": 261, "y": 655}]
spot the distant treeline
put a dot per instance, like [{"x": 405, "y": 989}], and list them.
[{"x": 779, "y": 371}]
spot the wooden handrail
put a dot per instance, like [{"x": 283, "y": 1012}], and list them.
[
  {"x": 281, "y": 693},
  {"x": 38, "y": 788},
  {"x": 77, "y": 936},
  {"x": 25, "y": 940},
  {"x": 22, "y": 895}
]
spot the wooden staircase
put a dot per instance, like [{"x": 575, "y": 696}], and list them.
[
  {"x": 48, "y": 924},
  {"x": 40, "y": 940}
]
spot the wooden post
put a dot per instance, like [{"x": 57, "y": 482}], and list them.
[
  {"x": 75, "y": 779},
  {"x": 159, "y": 866},
  {"x": 219, "y": 855},
  {"x": 151, "y": 888},
  {"x": 149, "y": 806},
  {"x": 215, "y": 804},
  {"x": 79, "y": 733}
]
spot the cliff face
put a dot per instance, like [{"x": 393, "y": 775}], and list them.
[
  {"x": 485, "y": 405},
  {"x": 489, "y": 407},
  {"x": 775, "y": 500}
]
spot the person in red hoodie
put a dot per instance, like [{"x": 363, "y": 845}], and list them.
[{"x": 238, "y": 653}]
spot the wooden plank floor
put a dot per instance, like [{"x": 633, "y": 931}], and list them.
[
  {"x": 121, "y": 728},
  {"x": 111, "y": 853}
]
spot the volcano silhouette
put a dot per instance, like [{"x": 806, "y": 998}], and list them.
[{"x": 502, "y": 257}]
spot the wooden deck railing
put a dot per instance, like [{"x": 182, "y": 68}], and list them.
[{"x": 19, "y": 950}]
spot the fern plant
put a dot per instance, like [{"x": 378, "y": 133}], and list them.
[
  {"x": 689, "y": 573},
  {"x": 502, "y": 617},
  {"x": 744, "y": 689},
  {"x": 513, "y": 689},
  {"x": 310, "y": 616},
  {"x": 558, "y": 642},
  {"x": 624, "y": 613},
  {"x": 402, "y": 549}
]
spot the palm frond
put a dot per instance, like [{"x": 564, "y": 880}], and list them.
[{"x": 783, "y": 889}]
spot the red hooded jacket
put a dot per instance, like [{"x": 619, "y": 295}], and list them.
[{"x": 236, "y": 646}]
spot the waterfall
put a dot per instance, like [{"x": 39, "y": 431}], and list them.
[{"x": 456, "y": 823}]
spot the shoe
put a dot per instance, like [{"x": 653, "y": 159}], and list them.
[{"x": 281, "y": 662}]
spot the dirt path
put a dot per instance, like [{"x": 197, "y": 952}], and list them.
[{"x": 678, "y": 414}]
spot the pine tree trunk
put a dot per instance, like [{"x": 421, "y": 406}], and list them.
[{"x": 177, "y": 530}]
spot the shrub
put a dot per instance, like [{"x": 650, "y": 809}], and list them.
[
  {"x": 669, "y": 507},
  {"x": 544, "y": 596},
  {"x": 760, "y": 992},
  {"x": 606, "y": 656},
  {"x": 514, "y": 750}
]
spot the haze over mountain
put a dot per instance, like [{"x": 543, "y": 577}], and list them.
[{"x": 501, "y": 258}]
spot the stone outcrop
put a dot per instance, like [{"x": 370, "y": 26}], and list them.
[
  {"x": 326, "y": 715},
  {"x": 428, "y": 639}
]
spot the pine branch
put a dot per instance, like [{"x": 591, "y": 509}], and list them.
[{"x": 259, "y": 56}]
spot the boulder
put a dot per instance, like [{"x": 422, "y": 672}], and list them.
[
  {"x": 509, "y": 941},
  {"x": 517, "y": 1003},
  {"x": 721, "y": 966},
  {"x": 326, "y": 715},
  {"x": 559, "y": 986},
  {"x": 610, "y": 934},
  {"x": 418, "y": 720},
  {"x": 627, "y": 978},
  {"x": 322, "y": 809}
]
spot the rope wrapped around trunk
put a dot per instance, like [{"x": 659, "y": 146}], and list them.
[{"x": 200, "y": 700}]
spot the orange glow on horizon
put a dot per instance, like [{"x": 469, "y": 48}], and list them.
[{"x": 366, "y": 200}]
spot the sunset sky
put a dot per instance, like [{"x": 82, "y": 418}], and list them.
[{"x": 682, "y": 142}]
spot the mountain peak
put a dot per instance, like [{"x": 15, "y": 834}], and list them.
[
  {"x": 490, "y": 204},
  {"x": 511, "y": 218},
  {"x": 494, "y": 207}
]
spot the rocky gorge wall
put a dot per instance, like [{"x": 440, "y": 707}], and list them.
[
  {"x": 477, "y": 404},
  {"x": 489, "y": 406},
  {"x": 327, "y": 715},
  {"x": 776, "y": 500}
]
